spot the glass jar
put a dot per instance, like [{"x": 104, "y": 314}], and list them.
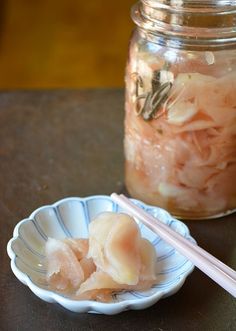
[{"x": 180, "y": 121}]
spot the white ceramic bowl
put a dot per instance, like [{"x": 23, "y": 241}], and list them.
[{"x": 70, "y": 218}]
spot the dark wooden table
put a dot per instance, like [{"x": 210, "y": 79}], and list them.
[{"x": 56, "y": 144}]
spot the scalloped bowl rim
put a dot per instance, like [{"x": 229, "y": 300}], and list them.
[{"x": 88, "y": 305}]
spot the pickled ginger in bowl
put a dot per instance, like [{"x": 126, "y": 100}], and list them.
[{"x": 89, "y": 256}]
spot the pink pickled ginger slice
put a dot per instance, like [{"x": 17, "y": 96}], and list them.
[
  {"x": 64, "y": 271},
  {"x": 114, "y": 246}
]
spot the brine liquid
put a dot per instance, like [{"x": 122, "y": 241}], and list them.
[{"x": 185, "y": 159}]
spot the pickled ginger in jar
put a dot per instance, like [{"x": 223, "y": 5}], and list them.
[{"x": 180, "y": 116}]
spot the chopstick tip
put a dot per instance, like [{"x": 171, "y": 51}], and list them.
[{"x": 113, "y": 195}]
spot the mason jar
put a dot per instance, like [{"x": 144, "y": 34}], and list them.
[{"x": 180, "y": 121}]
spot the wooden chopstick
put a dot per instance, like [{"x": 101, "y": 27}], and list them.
[{"x": 211, "y": 266}]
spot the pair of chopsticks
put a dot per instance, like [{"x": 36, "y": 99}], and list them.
[{"x": 207, "y": 263}]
